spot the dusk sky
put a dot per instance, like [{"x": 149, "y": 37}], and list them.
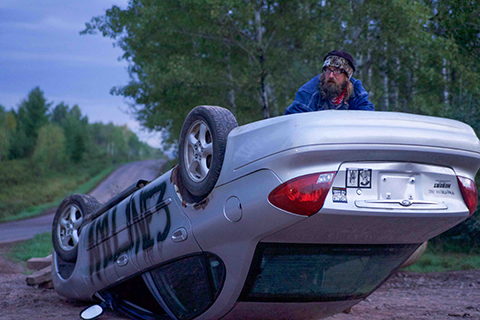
[{"x": 41, "y": 45}]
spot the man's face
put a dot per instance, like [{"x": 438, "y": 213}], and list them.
[
  {"x": 335, "y": 82},
  {"x": 335, "y": 76}
]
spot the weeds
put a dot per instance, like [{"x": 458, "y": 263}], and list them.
[
  {"x": 32, "y": 197},
  {"x": 39, "y": 246},
  {"x": 437, "y": 261}
]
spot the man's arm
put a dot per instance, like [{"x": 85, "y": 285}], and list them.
[
  {"x": 297, "y": 107},
  {"x": 304, "y": 98},
  {"x": 360, "y": 101}
]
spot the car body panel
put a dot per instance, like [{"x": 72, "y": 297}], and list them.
[
  {"x": 409, "y": 193},
  {"x": 351, "y": 136},
  {"x": 138, "y": 230},
  {"x": 236, "y": 241}
]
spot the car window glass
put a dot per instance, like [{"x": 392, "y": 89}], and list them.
[
  {"x": 285, "y": 272},
  {"x": 190, "y": 285}
]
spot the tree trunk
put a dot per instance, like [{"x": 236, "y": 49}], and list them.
[
  {"x": 385, "y": 81},
  {"x": 261, "y": 59},
  {"x": 445, "y": 81},
  {"x": 231, "y": 92}
]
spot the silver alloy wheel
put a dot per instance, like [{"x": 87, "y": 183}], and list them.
[
  {"x": 68, "y": 228},
  {"x": 198, "y": 151}
]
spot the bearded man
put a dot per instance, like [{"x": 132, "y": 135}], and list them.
[{"x": 334, "y": 89}]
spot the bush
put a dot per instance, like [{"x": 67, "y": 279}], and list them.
[
  {"x": 16, "y": 172},
  {"x": 464, "y": 237},
  {"x": 49, "y": 151}
]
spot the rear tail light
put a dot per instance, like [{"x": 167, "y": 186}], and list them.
[
  {"x": 304, "y": 195},
  {"x": 469, "y": 193}
]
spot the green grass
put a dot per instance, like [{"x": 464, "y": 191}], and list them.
[
  {"x": 435, "y": 261},
  {"x": 32, "y": 198},
  {"x": 38, "y": 247}
]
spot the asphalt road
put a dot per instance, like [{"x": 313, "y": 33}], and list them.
[{"x": 119, "y": 180}]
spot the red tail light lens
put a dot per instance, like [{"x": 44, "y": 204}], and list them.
[
  {"x": 304, "y": 195},
  {"x": 469, "y": 193}
]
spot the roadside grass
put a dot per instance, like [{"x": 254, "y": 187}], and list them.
[
  {"x": 38, "y": 247},
  {"x": 44, "y": 193},
  {"x": 437, "y": 261}
]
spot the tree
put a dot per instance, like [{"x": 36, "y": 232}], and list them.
[
  {"x": 49, "y": 153},
  {"x": 4, "y": 134},
  {"x": 75, "y": 129},
  {"x": 59, "y": 113},
  {"x": 32, "y": 115},
  {"x": 251, "y": 56},
  {"x": 458, "y": 22},
  {"x": 244, "y": 55}
]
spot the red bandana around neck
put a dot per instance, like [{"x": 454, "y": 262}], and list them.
[{"x": 338, "y": 100}]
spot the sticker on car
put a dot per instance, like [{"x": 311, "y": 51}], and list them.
[
  {"x": 339, "y": 195},
  {"x": 358, "y": 178}
]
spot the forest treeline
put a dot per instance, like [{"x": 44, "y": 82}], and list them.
[
  {"x": 48, "y": 138},
  {"x": 251, "y": 56},
  {"x": 47, "y": 152}
]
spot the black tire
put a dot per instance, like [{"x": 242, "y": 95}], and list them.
[
  {"x": 202, "y": 145},
  {"x": 67, "y": 223}
]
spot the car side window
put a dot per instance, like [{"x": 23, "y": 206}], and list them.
[{"x": 189, "y": 286}]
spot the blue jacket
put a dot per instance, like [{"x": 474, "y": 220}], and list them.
[{"x": 308, "y": 98}]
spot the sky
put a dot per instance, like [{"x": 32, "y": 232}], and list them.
[{"x": 41, "y": 45}]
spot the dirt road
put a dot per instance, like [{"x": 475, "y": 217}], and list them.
[{"x": 119, "y": 180}]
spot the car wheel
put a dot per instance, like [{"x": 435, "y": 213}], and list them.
[
  {"x": 67, "y": 223},
  {"x": 202, "y": 147}
]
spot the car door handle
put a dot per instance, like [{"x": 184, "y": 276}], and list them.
[{"x": 179, "y": 235}]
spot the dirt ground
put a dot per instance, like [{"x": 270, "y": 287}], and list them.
[{"x": 405, "y": 296}]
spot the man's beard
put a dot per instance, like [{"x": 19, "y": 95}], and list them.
[{"x": 331, "y": 88}]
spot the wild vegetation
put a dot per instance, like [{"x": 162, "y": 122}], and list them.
[
  {"x": 251, "y": 56},
  {"x": 47, "y": 152}
]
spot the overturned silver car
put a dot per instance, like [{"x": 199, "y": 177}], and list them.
[{"x": 294, "y": 217}]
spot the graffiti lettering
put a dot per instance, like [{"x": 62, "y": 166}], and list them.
[{"x": 103, "y": 233}]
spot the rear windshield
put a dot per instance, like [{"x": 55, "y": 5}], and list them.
[{"x": 291, "y": 272}]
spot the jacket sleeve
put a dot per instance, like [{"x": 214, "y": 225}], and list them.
[
  {"x": 297, "y": 107},
  {"x": 304, "y": 101},
  {"x": 361, "y": 101}
]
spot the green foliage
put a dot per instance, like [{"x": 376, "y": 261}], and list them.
[
  {"x": 82, "y": 141},
  {"x": 22, "y": 191},
  {"x": 437, "y": 261},
  {"x": 15, "y": 172},
  {"x": 52, "y": 154},
  {"x": 5, "y": 132},
  {"x": 32, "y": 115},
  {"x": 40, "y": 246},
  {"x": 251, "y": 56},
  {"x": 232, "y": 53},
  {"x": 49, "y": 151},
  {"x": 36, "y": 210},
  {"x": 4, "y": 143}
]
